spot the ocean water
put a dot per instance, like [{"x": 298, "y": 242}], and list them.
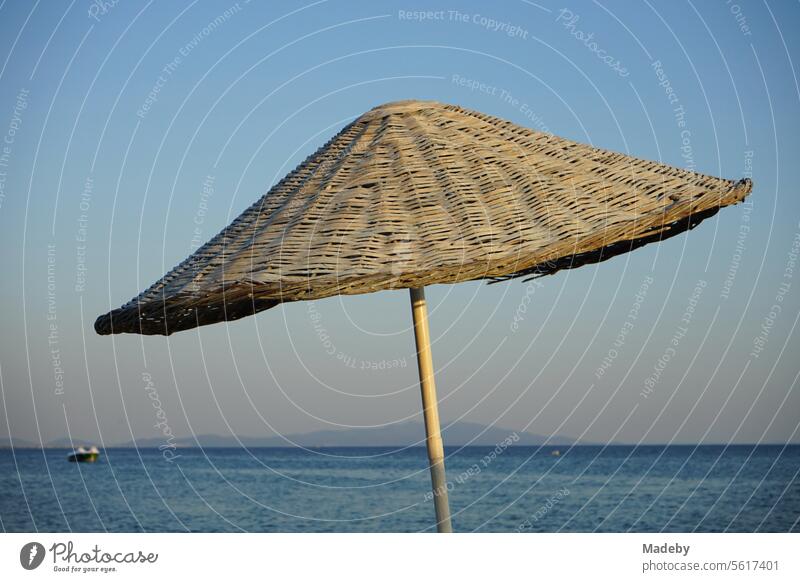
[{"x": 586, "y": 488}]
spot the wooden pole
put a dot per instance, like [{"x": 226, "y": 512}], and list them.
[{"x": 430, "y": 407}]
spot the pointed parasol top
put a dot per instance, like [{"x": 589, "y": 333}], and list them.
[{"x": 414, "y": 193}]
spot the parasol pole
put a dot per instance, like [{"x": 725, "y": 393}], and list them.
[{"x": 430, "y": 407}]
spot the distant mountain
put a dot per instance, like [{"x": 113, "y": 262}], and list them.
[
  {"x": 396, "y": 435},
  {"x": 65, "y": 443},
  {"x": 404, "y": 434},
  {"x": 62, "y": 443},
  {"x": 18, "y": 444}
]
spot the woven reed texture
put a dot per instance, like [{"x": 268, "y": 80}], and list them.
[{"x": 414, "y": 193}]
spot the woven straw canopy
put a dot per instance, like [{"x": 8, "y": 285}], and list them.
[{"x": 415, "y": 193}]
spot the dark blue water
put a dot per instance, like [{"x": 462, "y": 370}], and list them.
[{"x": 619, "y": 488}]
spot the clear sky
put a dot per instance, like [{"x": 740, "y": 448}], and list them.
[{"x": 134, "y": 131}]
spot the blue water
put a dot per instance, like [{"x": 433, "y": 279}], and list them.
[{"x": 617, "y": 488}]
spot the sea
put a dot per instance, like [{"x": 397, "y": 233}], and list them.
[{"x": 516, "y": 489}]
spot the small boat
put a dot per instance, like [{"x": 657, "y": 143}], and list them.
[
  {"x": 82, "y": 455},
  {"x": 556, "y": 453}
]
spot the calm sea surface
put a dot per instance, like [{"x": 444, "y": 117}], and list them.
[{"x": 617, "y": 488}]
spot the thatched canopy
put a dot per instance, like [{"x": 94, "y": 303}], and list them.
[{"x": 415, "y": 193}]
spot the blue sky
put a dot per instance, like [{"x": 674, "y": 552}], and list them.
[{"x": 114, "y": 116}]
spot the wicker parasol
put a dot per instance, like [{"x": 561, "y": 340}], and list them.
[{"x": 414, "y": 193}]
